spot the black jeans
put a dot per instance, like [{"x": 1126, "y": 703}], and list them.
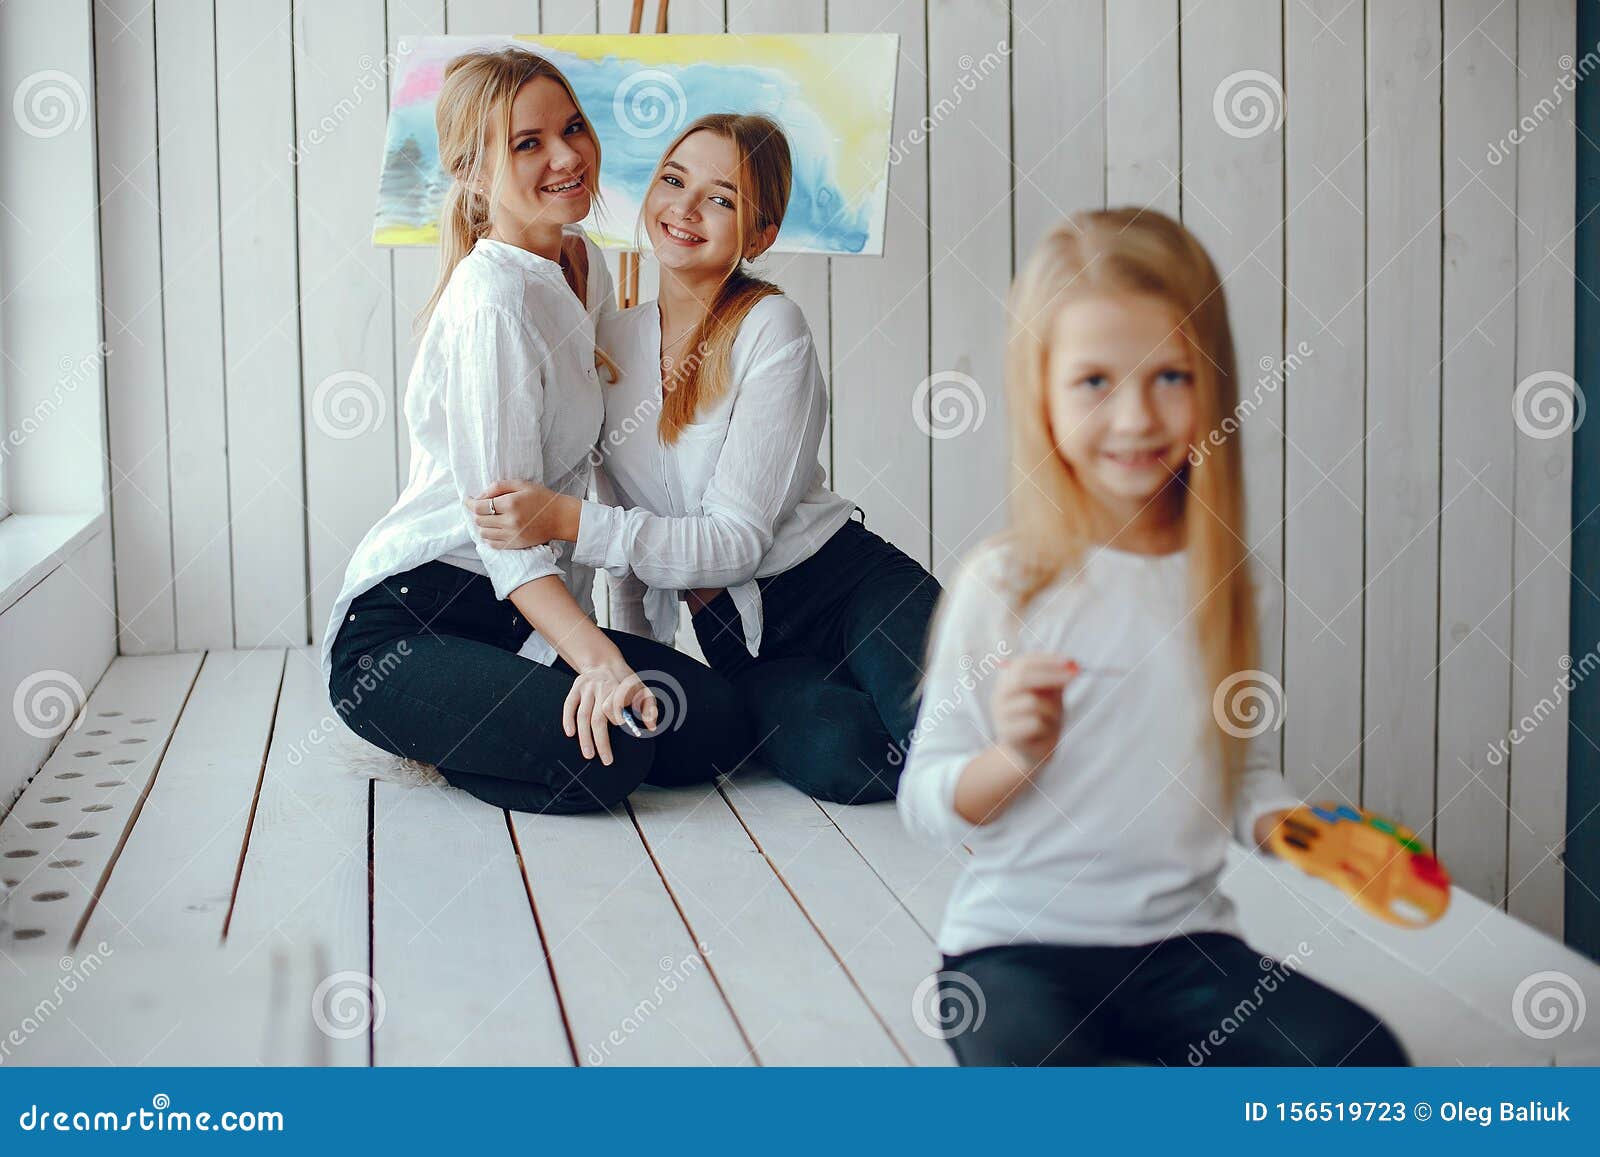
[
  {"x": 833, "y": 695},
  {"x": 425, "y": 666},
  {"x": 1202, "y": 999}
]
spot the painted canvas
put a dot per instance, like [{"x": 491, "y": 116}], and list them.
[{"x": 833, "y": 94}]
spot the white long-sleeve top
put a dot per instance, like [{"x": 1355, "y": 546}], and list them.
[
  {"x": 503, "y": 386},
  {"x": 1122, "y": 836},
  {"x": 739, "y": 496}
]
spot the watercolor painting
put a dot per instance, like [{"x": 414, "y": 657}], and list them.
[{"x": 833, "y": 94}]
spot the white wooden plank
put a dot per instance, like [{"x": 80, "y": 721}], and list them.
[
  {"x": 190, "y": 306},
  {"x": 1058, "y": 78},
  {"x": 1233, "y": 202},
  {"x": 797, "y": 1006},
  {"x": 304, "y": 877},
  {"x": 883, "y": 949},
  {"x": 1324, "y": 427},
  {"x": 920, "y": 876},
  {"x": 1142, "y": 125},
  {"x": 261, "y": 324},
  {"x": 173, "y": 882},
  {"x": 65, "y": 624},
  {"x": 62, "y": 836},
  {"x": 346, "y": 318},
  {"x": 636, "y": 988},
  {"x": 1478, "y": 450},
  {"x": 1546, "y": 162},
  {"x": 1402, "y": 457},
  {"x": 969, "y": 216},
  {"x": 881, "y": 459},
  {"x": 136, "y": 405},
  {"x": 455, "y": 948},
  {"x": 1436, "y": 1026}
]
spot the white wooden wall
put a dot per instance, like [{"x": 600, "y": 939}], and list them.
[{"x": 1422, "y": 539}]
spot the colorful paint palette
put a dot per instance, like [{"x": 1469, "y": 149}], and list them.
[{"x": 1382, "y": 865}]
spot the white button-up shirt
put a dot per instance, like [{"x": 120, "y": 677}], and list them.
[
  {"x": 504, "y": 386},
  {"x": 1123, "y": 834},
  {"x": 739, "y": 496}
]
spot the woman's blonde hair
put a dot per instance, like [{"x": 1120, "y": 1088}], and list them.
[
  {"x": 764, "y": 175},
  {"x": 1052, "y": 517},
  {"x": 473, "y": 118}
]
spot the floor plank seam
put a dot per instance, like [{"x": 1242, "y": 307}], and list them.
[
  {"x": 871, "y": 867},
  {"x": 255, "y": 799},
  {"x": 544, "y": 941}
]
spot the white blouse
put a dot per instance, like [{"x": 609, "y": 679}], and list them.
[
  {"x": 504, "y": 386},
  {"x": 1124, "y": 834},
  {"x": 739, "y": 496}
]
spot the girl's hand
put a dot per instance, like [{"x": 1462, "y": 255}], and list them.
[
  {"x": 1265, "y": 825},
  {"x": 1027, "y": 707},
  {"x": 596, "y": 700},
  {"x": 525, "y": 514}
]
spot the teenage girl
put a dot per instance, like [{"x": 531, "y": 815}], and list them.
[
  {"x": 1067, "y": 735},
  {"x": 487, "y": 663},
  {"x": 711, "y": 440}
]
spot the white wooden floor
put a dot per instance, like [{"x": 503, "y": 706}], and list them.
[{"x": 199, "y": 878}]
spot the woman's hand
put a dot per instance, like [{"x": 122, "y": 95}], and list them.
[
  {"x": 596, "y": 700},
  {"x": 524, "y": 514},
  {"x": 1027, "y": 707}
]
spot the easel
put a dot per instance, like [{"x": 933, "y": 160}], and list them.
[{"x": 628, "y": 279}]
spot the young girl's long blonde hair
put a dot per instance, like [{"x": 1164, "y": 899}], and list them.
[
  {"x": 473, "y": 118},
  {"x": 764, "y": 175},
  {"x": 1052, "y": 524}
]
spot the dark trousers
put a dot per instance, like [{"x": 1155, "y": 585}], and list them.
[
  {"x": 1203, "y": 999},
  {"x": 425, "y": 666},
  {"x": 833, "y": 694}
]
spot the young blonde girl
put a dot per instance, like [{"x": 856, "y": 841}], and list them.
[
  {"x": 428, "y": 650},
  {"x": 1084, "y": 767}
]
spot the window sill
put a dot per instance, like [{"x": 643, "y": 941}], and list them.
[{"x": 33, "y": 545}]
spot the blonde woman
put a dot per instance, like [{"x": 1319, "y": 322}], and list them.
[
  {"x": 488, "y": 663},
  {"x": 1086, "y": 775},
  {"x": 711, "y": 443}
]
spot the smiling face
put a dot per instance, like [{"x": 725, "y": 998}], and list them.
[
  {"x": 1120, "y": 399},
  {"x": 551, "y": 162},
  {"x": 692, "y": 211}
]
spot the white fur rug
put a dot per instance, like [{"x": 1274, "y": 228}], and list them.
[{"x": 367, "y": 761}]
